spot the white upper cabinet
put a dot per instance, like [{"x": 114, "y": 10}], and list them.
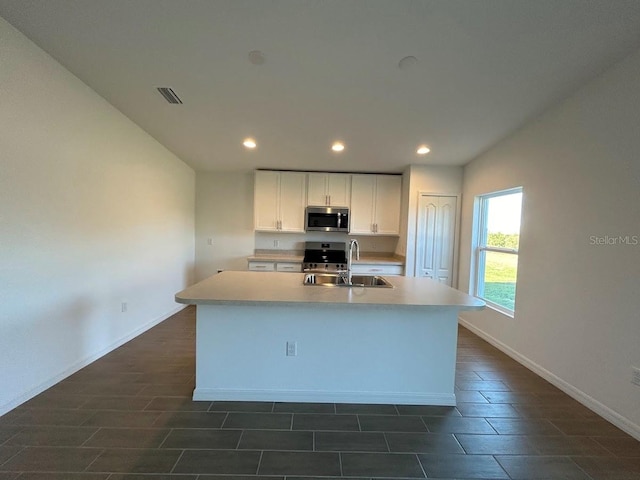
[
  {"x": 387, "y": 206},
  {"x": 328, "y": 189},
  {"x": 266, "y": 198},
  {"x": 279, "y": 201},
  {"x": 293, "y": 193},
  {"x": 375, "y": 204},
  {"x": 363, "y": 197}
]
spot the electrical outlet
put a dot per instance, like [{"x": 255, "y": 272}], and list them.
[
  {"x": 292, "y": 349},
  {"x": 276, "y": 243},
  {"x": 209, "y": 241},
  {"x": 374, "y": 246},
  {"x": 635, "y": 376},
  {"x": 124, "y": 307}
]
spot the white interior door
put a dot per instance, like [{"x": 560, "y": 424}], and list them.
[{"x": 435, "y": 239}]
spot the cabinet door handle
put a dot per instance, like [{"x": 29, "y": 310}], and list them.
[{"x": 328, "y": 199}]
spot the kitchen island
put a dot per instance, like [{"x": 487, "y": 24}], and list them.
[{"x": 267, "y": 337}]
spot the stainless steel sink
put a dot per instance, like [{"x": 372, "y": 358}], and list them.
[{"x": 335, "y": 280}]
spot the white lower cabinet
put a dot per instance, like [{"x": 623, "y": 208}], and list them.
[
  {"x": 358, "y": 269},
  {"x": 262, "y": 266},
  {"x": 257, "y": 266},
  {"x": 288, "y": 267}
]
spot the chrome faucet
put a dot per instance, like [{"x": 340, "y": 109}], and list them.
[{"x": 353, "y": 244}]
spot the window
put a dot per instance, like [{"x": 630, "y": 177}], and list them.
[{"x": 497, "y": 241}]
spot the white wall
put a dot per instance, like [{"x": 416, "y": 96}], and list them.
[
  {"x": 224, "y": 214},
  {"x": 419, "y": 179},
  {"x": 93, "y": 213},
  {"x": 577, "y": 318}
]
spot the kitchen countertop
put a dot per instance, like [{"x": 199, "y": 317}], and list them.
[
  {"x": 366, "y": 258},
  {"x": 276, "y": 257},
  {"x": 253, "y": 288},
  {"x": 372, "y": 258}
]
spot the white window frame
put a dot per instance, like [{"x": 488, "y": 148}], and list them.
[{"x": 480, "y": 247}]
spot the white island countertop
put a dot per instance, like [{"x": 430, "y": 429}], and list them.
[{"x": 252, "y": 288}]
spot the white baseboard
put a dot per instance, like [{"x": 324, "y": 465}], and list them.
[
  {"x": 591, "y": 403},
  {"x": 19, "y": 400},
  {"x": 213, "y": 394}
]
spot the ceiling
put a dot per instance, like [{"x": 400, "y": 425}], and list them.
[{"x": 331, "y": 72}]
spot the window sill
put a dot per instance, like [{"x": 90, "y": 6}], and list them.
[{"x": 499, "y": 309}]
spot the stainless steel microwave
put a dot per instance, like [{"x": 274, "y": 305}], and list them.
[{"x": 326, "y": 219}]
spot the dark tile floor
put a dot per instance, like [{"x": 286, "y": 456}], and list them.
[{"x": 129, "y": 416}]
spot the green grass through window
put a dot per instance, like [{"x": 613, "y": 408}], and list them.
[{"x": 500, "y": 279}]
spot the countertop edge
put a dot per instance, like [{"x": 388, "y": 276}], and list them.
[
  {"x": 278, "y": 288},
  {"x": 268, "y": 303}
]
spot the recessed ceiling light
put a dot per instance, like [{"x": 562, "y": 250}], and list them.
[
  {"x": 249, "y": 143},
  {"x": 337, "y": 146},
  {"x": 423, "y": 150},
  {"x": 407, "y": 62},
  {"x": 256, "y": 57}
]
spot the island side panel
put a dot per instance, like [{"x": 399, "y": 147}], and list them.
[{"x": 344, "y": 354}]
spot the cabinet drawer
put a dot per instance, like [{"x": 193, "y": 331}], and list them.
[
  {"x": 262, "y": 266},
  {"x": 288, "y": 267},
  {"x": 378, "y": 269}
]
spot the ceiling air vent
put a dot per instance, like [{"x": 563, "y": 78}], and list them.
[{"x": 169, "y": 95}]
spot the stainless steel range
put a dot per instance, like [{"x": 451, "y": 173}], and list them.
[{"x": 324, "y": 257}]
